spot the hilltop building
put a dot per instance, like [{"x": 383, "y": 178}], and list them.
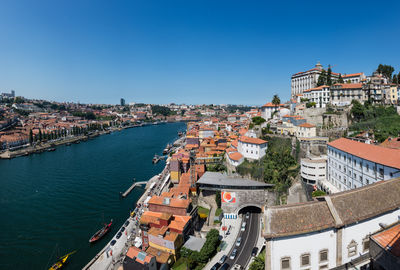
[{"x": 302, "y": 81}]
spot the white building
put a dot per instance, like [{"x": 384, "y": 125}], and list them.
[
  {"x": 306, "y": 130},
  {"x": 353, "y": 164},
  {"x": 235, "y": 158},
  {"x": 320, "y": 95},
  {"x": 268, "y": 109},
  {"x": 332, "y": 231},
  {"x": 342, "y": 94},
  {"x": 252, "y": 148},
  {"x": 313, "y": 169},
  {"x": 354, "y": 78},
  {"x": 302, "y": 81}
]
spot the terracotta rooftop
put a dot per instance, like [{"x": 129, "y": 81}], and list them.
[
  {"x": 352, "y": 75},
  {"x": 393, "y": 143},
  {"x": 161, "y": 256},
  {"x": 246, "y": 139},
  {"x": 133, "y": 252},
  {"x": 339, "y": 86},
  {"x": 381, "y": 155},
  {"x": 172, "y": 202},
  {"x": 389, "y": 239},
  {"x": 235, "y": 156},
  {"x": 307, "y": 125}
]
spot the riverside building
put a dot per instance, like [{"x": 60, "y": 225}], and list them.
[{"x": 353, "y": 164}]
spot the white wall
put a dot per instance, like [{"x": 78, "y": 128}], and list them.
[
  {"x": 296, "y": 246},
  {"x": 252, "y": 151},
  {"x": 345, "y": 174}
]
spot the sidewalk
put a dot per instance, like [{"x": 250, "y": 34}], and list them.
[{"x": 229, "y": 239}]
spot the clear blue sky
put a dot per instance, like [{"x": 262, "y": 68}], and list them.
[{"x": 196, "y": 52}]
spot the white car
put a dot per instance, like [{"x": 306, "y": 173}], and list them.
[
  {"x": 238, "y": 241},
  {"x": 243, "y": 228},
  {"x": 233, "y": 254}
]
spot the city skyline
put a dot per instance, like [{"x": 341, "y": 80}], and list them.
[{"x": 194, "y": 53}]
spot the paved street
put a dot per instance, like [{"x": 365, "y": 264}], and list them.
[{"x": 249, "y": 240}]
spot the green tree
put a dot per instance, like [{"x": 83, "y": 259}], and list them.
[
  {"x": 258, "y": 120},
  {"x": 395, "y": 79},
  {"x": 218, "y": 198},
  {"x": 385, "y": 70},
  {"x": 258, "y": 263},
  {"x": 322, "y": 78},
  {"x": 19, "y": 100},
  {"x": 276, "y": 101},
  {"x": 40, "y": 135},
  {"x": 329, "y": 76},
  {"x": 357, "y": 110},
  {"x": 30, "y": 137},
  {"x": 340, "y": 80}
]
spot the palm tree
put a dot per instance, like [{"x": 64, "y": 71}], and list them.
[{"x": 276, "y": 101}]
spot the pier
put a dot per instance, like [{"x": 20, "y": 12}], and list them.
[{"x": 126, "y": 193}]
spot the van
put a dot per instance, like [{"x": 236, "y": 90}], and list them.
[{"x": 243, "y": 227}]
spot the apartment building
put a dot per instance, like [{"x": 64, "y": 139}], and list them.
[{"x": 353, "y": 164}]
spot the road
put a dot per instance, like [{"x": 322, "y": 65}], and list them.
[{"x": 249, "y": 240}]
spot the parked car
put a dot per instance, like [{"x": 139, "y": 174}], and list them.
[
  {"x": 122, "y": 229},
  {"x": 225, "y": 266},
  {"x": 238, "y": 241},
  {"x": 113, "y": 242},
  {"x": 254, "y": 251},
  {"x": 223, "y": 259},
  {"x": 233, "y": 254},
  {"x": 126, "y": 223},
  {"x": 243, "y": 228},
  {"x": 215, "y": 266},
  {"x": 119, "y": 234}
]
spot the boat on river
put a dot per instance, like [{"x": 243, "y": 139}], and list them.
[
  {"x": 100, "y": 233},
  {"x": 61, "y": 261},
  {"x": 167, "y": 149}
]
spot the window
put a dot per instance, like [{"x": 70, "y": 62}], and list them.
[
  {"x": 381, "y": 172},
  {"x": 323, "y": 267},
  {"x": 352, "y": 249},
  {"x": 367, "y": 167},
  {"x": 285, "y": 263},
  {"x": 323, "y": 256},
  {"x": 305, "y": 260},
  {"x": 366, "y": 244}
]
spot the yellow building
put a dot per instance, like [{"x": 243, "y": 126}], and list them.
[{"x": 175, "y": 176}]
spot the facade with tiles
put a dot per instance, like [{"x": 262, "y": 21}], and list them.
[
  {"x": 353, "y": 164},
  {"x": 331, "y": 233}
]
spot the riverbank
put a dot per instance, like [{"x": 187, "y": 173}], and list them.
[
  {"x": 62, "y": 198},
  {"x": 48, "y": 146},
  {"x": 111, "y": 256}
]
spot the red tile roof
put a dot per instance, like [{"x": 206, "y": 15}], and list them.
[
  {"x": 389, "y": 239},
  {"x": 235, "y": 156},
  {"x": 352, "y": 75},
  {"x": 246, "y": 139},
  {"x": 307, "y": 125},
  {"x": 348, "y": 85},
  {"x": 381, "y": 155}
]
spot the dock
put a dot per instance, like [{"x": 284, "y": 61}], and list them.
[{"x": 126, "y": 193}]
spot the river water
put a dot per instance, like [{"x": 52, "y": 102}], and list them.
[{"x": 51, "y": 203}]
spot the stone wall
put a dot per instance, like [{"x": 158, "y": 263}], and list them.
[
  {"x": 243, "y": 198},
  {"x": 312, "y": 115}
]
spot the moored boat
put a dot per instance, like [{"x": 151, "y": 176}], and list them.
[
  {"x": 100, "y": 233},
  {"x": 61, "y": 261}
]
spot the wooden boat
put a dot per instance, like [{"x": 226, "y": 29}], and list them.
[
  {"x": 61, "y": 261},
  {"x": 100, "y": 233}
]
